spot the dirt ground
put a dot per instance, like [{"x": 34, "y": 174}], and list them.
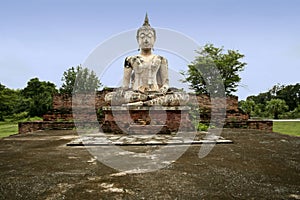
[{"x": 257, "y": 165}]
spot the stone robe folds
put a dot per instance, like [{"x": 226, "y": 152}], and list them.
[{"x": 146, "y": 82}]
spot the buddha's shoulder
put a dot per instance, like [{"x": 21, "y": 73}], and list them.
[
  {"x": 130, "y": 60},
  {"x": 133, "y": 58},
  {"x": 159, "y": 57}
]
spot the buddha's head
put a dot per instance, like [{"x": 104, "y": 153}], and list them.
[{"x": 146, "y": 35}]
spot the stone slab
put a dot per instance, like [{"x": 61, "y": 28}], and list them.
[
  {"x": 135, "y": 140},
  {"x": 109, "y": 108}
]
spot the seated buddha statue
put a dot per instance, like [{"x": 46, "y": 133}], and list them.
[{"x": 145, "y": 79}]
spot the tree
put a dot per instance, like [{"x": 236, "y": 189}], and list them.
[
  {"x": 276, "y": 107},
  {"x": 261, "y": 98},
  {"x": 39, "y": 95},
  {"x": 247, "y": 106},
  {"x": 2, "y": 87},
  {"x": 79, "y": 80},
  {"x": 213, "y": 67},
  {"x": 3, "y": 102},
  {"x": 275, "y": 89},
  {"x": 296, "y": 112},
  {"x": 8, "y": 101},
  {"x": 290, "y": 94}
]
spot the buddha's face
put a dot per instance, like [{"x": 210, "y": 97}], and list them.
[{"x": 146, "y": 39}]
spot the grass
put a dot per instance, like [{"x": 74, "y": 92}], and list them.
[
  {"x": 286, "y": 127},
  {"x": 10, "y": 127}
]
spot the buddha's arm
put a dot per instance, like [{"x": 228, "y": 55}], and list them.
[
  {"x": 127, "y": 74},
  {"x": 163, "y": 72}
]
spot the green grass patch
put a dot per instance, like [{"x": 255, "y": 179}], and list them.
[
  {"x": 10, "y": 127},
  {"x": 287, "y": 127}
]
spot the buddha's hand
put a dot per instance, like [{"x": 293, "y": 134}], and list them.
[
  {"x": 120, "y": 92},
  {"x": 163, "y": 89}
]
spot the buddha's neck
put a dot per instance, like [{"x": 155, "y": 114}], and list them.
[{"x": 146, "y": 52}]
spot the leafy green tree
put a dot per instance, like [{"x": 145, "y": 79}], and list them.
[
  {"x": 247, "y": 106},
  {"x": 35, "y": 87},
  {"x": 290, "y": 94},
  {"x": 275, "y": 89},
  {"x": 211, "y": 66},
  {"x": 257, "y": 112},
  {"x": 2, "y": 87},
  {"x": 292, "y": 114},
  {"x": 261, "y": 98},
  {"x": 39, "y": 95},
  {"x": 79, "y": 80},
  {"x": 296, "y": 112},
  {"x": 276, "y": 107},
  {"x": 8, "y": 101},
  {"x": 2, "y": 105}
]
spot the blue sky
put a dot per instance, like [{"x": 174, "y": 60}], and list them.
[{"x": 46, "y": 37}]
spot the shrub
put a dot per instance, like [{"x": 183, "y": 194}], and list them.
[
  {"x": 202, "y": 127},
  {"x": 19, "y": 116},
  {"x": 1, "y": 117}
]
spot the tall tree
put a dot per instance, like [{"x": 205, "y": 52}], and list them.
[
  {"x": 247, "y": 106},
  {"x": 40, "y": 96},
  {"x": 9, "y": 100},
  {"x": 261, "y": 98},
  {"x": 213, "y": 67},
  {"x": 276, "y": 107},
  {"x": 2, "y": 87},
  {"x": 290, "y": 94},
  {"x": 79, "y": 80}
]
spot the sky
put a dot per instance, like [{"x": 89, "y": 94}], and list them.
[{"x": 43, "y": 38}]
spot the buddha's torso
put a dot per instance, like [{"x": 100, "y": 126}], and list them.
[{"x": 145, "y": 69}]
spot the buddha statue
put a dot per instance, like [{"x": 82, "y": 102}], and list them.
[{"x": 145, "y": 79}]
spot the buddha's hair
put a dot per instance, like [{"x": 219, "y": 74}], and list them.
[{"x": 146, "y": 26}]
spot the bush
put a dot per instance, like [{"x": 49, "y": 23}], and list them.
[
  {"x": 19, "y": 116},
  {"x": 294, "y": 114},
  {"x": 202, "y": 127},
  {"x": 1, "y": 117}
]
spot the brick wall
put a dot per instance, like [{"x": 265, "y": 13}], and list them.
[
  {"x": 171, "y": 120},
  {"x": 86, "y": 105},
  {"x": 26, "y": 127},
  {"x": 64, "y": 102}
]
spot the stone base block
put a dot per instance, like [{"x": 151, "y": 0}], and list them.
[
  {"x": 147, "y": 129},
  {"x": 146, "y": 120}
]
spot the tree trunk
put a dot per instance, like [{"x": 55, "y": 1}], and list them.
[{"x": 276, "y": 115}]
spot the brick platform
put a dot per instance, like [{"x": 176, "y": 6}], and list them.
[
  {"x": 87, "y": 107},
  {"x": 26, "y": 127},
  {"x": 146, "y": 120}
]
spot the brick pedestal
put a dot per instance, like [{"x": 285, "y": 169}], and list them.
[{"x": 146, "y": 120}]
